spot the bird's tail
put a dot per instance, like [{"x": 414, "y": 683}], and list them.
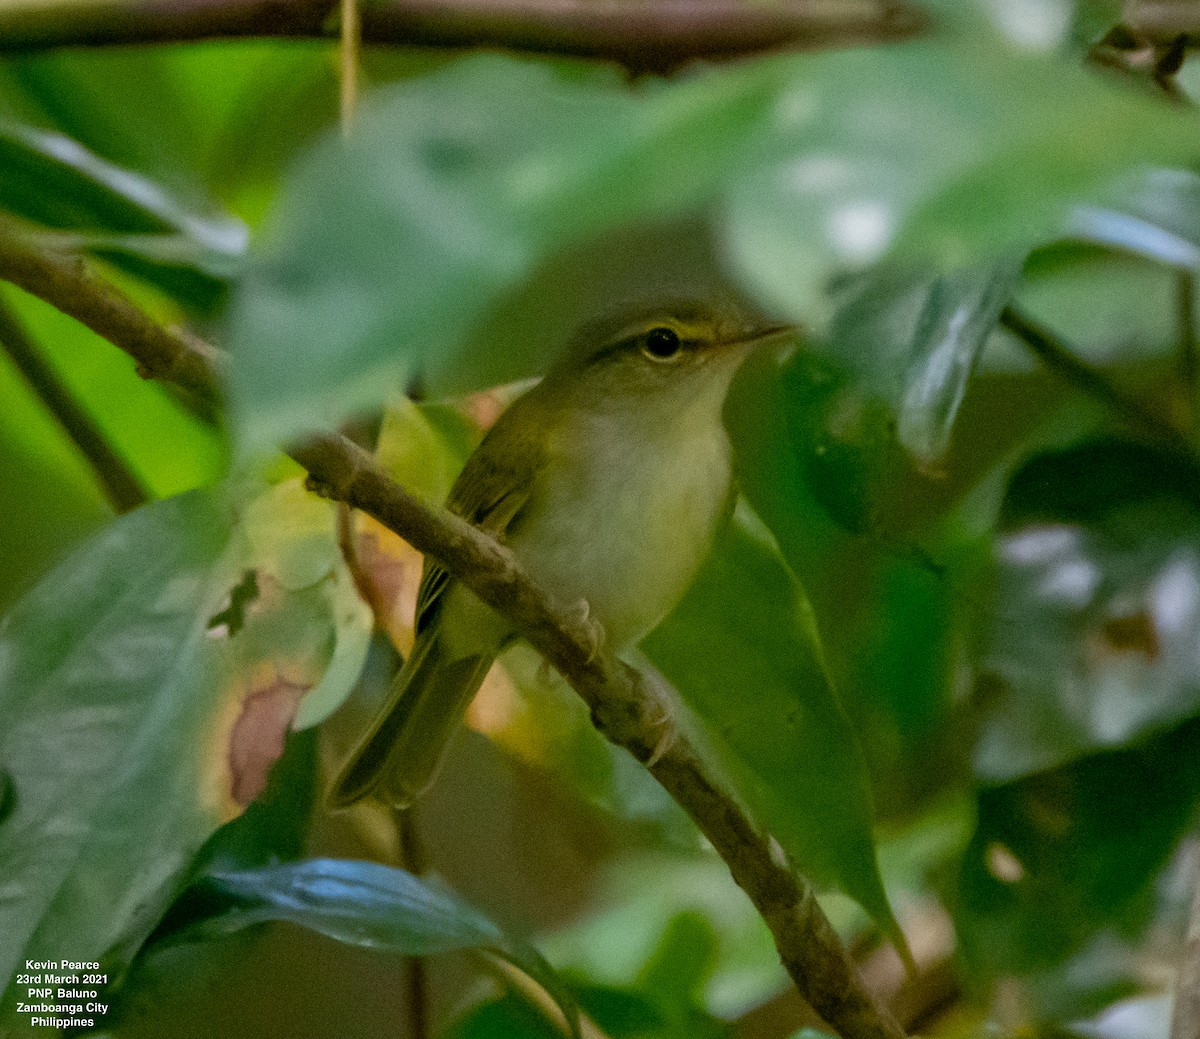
[{"x": 400, "y": 754}]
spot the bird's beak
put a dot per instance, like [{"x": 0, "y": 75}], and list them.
[{"x": 769, "y": 335}]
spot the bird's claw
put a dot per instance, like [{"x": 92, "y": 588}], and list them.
[
  {"x": 665, "y": 722},
  {"x": 589, "y": 629}
]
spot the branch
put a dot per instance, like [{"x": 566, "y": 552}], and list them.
[
  {"x": 1059, "y": 358},
  {"x": 654, "y": 35},
  {"x": 622, "y": 708},
  {"x": 122, "y": 489}
]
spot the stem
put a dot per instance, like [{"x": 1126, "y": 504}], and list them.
[
  {"x": 413, "y": 859},
  {"x": 650, "y": 35},
  {"x": 1185, "y": 1018},
  {"x": 1189, "y": 354},
  {"x": 122, "y": 489},
  {"x": 622, "y": 708},
  {"x": 1059, "y": 358},
  {"x": 351, "y": 42}
]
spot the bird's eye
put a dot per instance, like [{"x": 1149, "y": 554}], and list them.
[{"x": 661, "y": 344}]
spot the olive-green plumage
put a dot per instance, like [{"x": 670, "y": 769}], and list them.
[{"x": 608, "y": 480}]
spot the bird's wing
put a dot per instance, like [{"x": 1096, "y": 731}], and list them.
[{"x": 488, "y": 494}]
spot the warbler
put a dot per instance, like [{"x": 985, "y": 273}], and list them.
[{"x": 608, "y": 480}]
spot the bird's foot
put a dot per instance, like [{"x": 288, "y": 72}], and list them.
[
  {"x": 665, "y": 722},
  {"x": 589, "y": 629}
]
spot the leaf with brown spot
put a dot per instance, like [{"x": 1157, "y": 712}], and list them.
[{"x": 256, "y": 742}]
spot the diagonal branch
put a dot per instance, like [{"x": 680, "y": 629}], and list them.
[
  {"x": 118, "y": 482},
  {"x": 1056, "y": 356},
  {"x": 622, "y": 708},
  {"x": 643, "y": 35}
]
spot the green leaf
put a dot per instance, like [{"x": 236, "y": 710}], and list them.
[
  {"x": 744, "y": 651},
  {"x": 309, "y": 627},
  {"x": 643, "y": 893},
  {"x": 58, "y": 182},
  {"x": 1059, "y": 857},
  {"x": 915, "y": 342},
  {"x": 1097, "y": 607},
  {"x": 1155, "y": 214},
  {"x": 1115, "y": 307},
  {"x": 106, "y": 699},
  {"x": 976, "y": 149},
  {"x": 387, "y": 249},
  {"x": 373, "y": 906},
  {"x": 510, "y": 1017},
  {"x": 683, "y": 961}
]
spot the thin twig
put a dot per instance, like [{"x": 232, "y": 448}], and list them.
[
  {"x": 1189, "y": 352},
  {"x": 621, "y": 707},
  {"x": 1185, "y": 1017},
  {"x": 350, "y": 45},
  {"x": 123, "y": 490},
  {"x": 413, "y": 859},
  {"x": 1059, "y": 358},
  {"x": 650, "y": 35}
]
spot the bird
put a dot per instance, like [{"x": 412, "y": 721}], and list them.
[{"x": 608, "y": 481}]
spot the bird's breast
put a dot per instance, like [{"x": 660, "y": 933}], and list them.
[{"x": 624, "y": 520}]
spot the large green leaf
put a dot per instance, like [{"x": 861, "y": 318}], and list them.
[
  {"x": 386, "y": 250},
  {"x": 1061, "y": 858},
  {"x": 1097, "y": 607},
  {"x": 952, "y": 149},
  {"x": 375, "y": 906},
  {"x": 106, "y": 695},
  {"x": 744, "y": 651}
]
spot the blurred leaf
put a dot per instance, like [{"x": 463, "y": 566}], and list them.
[
  {"x": 639, "y": 1014},
  {"x": 106, "y": 693},
  {"x": 623, "y": 932},
  {"x": 425, "y": 447},
  {"x": 509, "y": 1017},
  {"x": 743, "y": 650},
  {"x": 455, "y": 199},
  {"x": 683, "y": 961},
  {"x": 58, "y": 182},
  {"x": 937, "y": 356},
  {"x": 1155, "y": 214},
  {"x": 1061, "y": 855},
  {"x": 374, "y": 906},
  {"x": 1117, "y": 308},
  {"x": 307, "y": 622},
  {"x": 1091, "y": 19},
  {"x": 126, "y": 104},
  {"x": 1146, "y": 1018},
  {"x": 7, "y": 797},
  {"x": 842, "y": 437},
  {"x": 1094, "y": 640},
  {"x": 916, "y": 343},
  {"x": 975, "y": 149}
]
